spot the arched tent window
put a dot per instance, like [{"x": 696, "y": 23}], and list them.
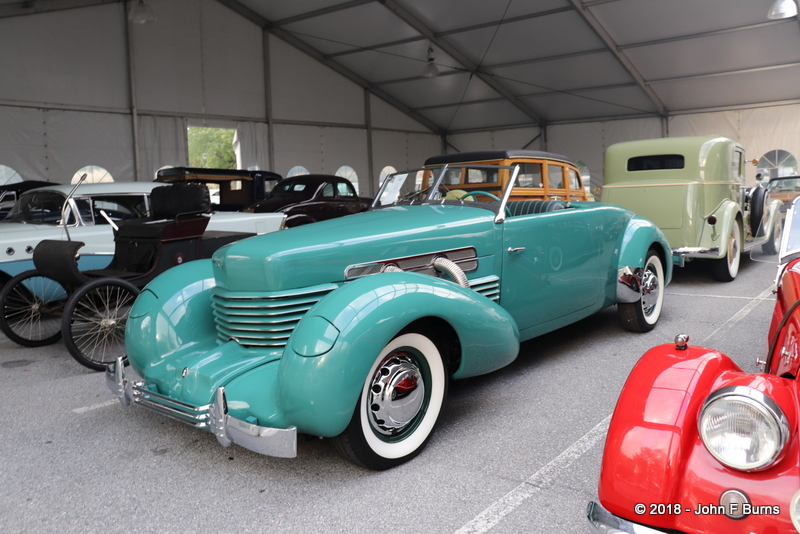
[
  {"x": 345, "y": 171},
  {"x": 386, "y": 171},
  {"x": 296, "y": 171},
  {"x": 776, "y": 163},
  {"x": 94, "y": 175},
  {"x": 9, "y": 175}
]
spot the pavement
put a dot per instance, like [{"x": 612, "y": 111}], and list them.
[{"x": 515, "y": 451}]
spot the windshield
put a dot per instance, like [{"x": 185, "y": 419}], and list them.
[
  {"x": 779, "y": 230},
  {"x": 449, "y": 184},
  {"x": 40, "y": 207}
]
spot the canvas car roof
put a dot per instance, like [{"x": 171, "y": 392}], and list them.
[{"x": 493, "y": 155}]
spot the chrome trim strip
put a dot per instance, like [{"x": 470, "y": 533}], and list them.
[
  {"x": 214, "y": 417},
  {"x": 601, "y": 521}
]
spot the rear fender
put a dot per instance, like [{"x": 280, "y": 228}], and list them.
[
  {"x": 728, "y": 213},
  {"x": 327, "y": 359},
  {"x": 640, "y": 236}
]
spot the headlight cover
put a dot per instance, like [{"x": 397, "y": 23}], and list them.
[{"x": 743, "y": 428}]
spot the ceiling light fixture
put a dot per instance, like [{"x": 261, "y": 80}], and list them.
[
  {"x": 141, "y": 13},
  {"x": 782, "y": 9},
  {"x": 430, "y": 70}
]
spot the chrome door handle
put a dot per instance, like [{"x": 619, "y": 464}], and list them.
[{"x": 513, "y": 250}]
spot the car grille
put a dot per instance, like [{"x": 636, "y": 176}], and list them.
[{"x": 265, "y": 320}]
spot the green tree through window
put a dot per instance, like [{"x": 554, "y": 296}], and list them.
[{"x": 211, "y": 148}]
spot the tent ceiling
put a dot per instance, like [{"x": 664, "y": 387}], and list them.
[{"x": 519, "y": 63}]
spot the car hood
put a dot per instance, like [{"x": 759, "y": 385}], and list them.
[{"x": 319, "y": 253}]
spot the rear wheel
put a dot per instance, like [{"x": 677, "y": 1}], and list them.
[
  {"x": 94, "y": 321},
  {"x": 399, "y": 404},
  {"x": 642, "y": 316},
  {"x": 726, "y": 268},
  {"x": 32, "y": 305}
]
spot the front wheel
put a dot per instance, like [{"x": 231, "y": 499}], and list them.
[
  {"x": 31, "y": 309},
  {"x": 642, "y": 316},
  {"x": 726, "y": 268},
  {"x": 94, "y": 321},
  {"x": 398, "y": 406}
]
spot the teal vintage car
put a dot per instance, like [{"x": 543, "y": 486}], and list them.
[
  {"x": 351, "y": 328},
  {"x": 693, "y": 188}
]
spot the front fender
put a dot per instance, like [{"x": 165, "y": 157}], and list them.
[
  {"x": 654, "y": 455},
  {"x": 327, "y": 359},
  {"x": 652, "y": 429},
  {"x": 172, "y": 313}
]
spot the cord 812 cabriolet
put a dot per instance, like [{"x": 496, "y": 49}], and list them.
[{"x": 351, "y": 328}]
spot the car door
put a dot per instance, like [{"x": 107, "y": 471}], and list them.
[
  {"x": 347, "y": 199},
  {"x": 553, "y": 267}
]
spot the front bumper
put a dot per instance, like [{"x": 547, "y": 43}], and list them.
[
  {"x": 601, "y": 521},
  {"x": 214, "y": 417}
]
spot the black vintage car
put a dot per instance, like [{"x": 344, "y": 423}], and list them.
[
  {"x": 310, "y": 198},
  {"x": 230, "y": 189}
]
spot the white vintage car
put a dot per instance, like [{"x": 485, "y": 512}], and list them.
[{"x": 37, "y": 215}]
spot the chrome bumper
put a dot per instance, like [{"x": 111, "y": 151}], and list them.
[
  {"x": 679, "y": 255},
  {"x": 601, "y": 521},
  {"x": 279, "y": 442}
]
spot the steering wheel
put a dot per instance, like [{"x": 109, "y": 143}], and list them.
[{"x": 471, "y": 193}]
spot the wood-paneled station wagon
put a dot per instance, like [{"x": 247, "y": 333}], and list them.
[
  {"x": 696, "y": 445},
  {"x": 351, "y": 328},
  {"x": 693, "y": 189},
  {"x": 541, "y": 176}
]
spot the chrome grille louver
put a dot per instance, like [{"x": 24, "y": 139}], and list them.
[
  {"x": 265, "y": 319},
  {"x": 488, "y": 286}
]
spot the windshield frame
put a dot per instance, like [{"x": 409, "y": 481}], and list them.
[{"x": 431, "y": 193}]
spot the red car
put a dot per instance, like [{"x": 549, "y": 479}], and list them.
[{"x": 697, "y": 445}]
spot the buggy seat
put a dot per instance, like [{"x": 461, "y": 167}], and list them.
[
  {"x": 144, "y": 247},
  {"x": 168, "y": 237}
]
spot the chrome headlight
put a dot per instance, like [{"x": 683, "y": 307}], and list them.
[{"x": 743, "y": 428}]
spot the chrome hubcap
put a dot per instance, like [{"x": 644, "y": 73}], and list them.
[
  {"x": 651, "y": 291},
  {"x": 396, "y": 394}
]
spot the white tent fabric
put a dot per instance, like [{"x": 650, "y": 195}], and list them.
[
  {"x": 162, "y": 142},
  {"x": 251, "y": 145}
]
